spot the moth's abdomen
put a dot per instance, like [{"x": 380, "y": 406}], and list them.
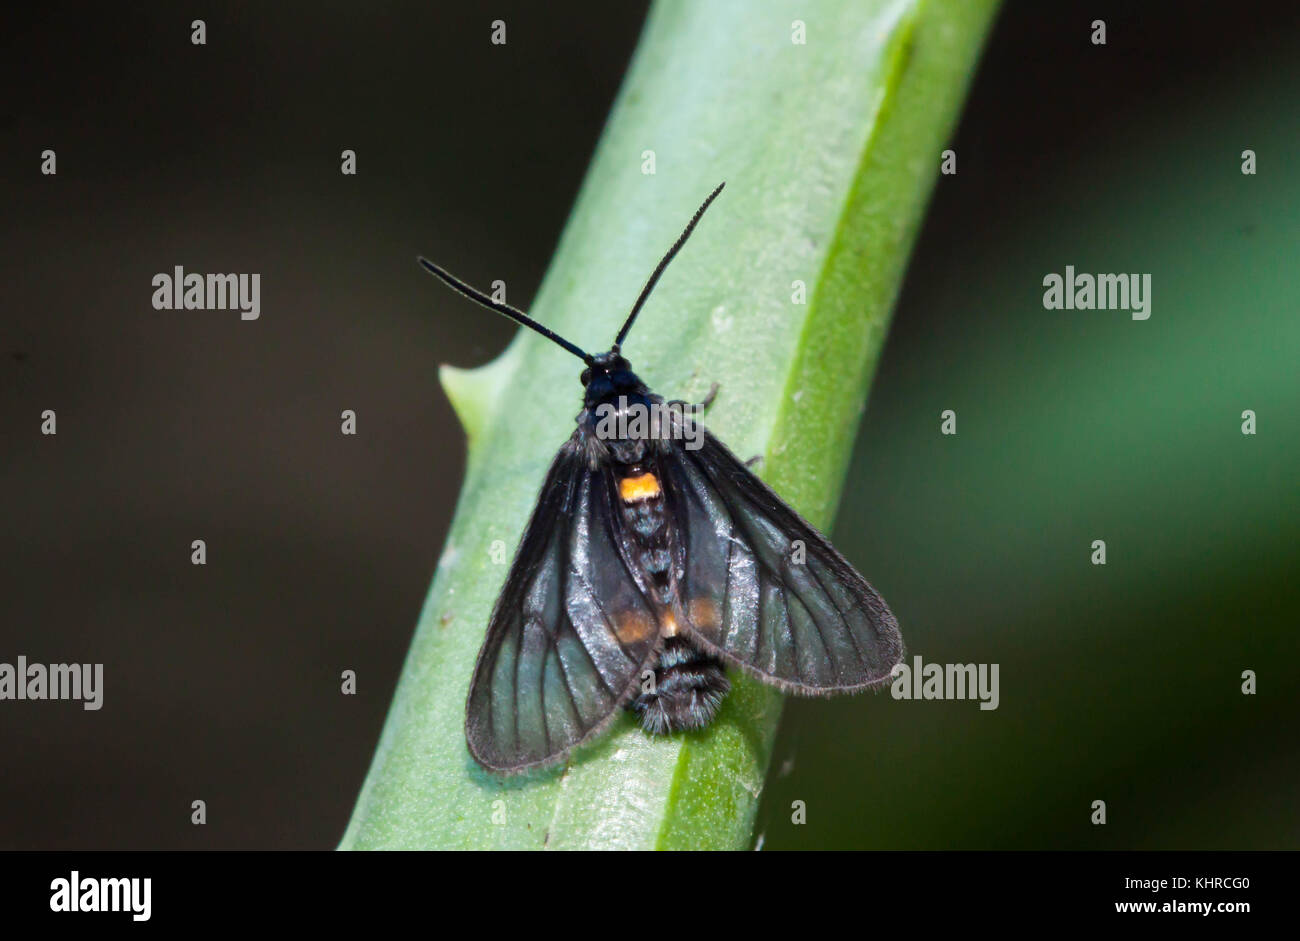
[
  {"x": 688, "y": 683},
  {"x": 689, "y": 686}
]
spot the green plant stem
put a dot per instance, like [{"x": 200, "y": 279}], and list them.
[{"x": 829, "y": 149}]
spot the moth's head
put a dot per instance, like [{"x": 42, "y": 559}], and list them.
[{"x": 609, "y": 374}]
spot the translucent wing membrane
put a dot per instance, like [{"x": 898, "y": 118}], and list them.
[
  {"x": 571, "y": 631},
  {"x": 765, "y": 591}
]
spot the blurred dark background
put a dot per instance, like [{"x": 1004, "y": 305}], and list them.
[{"x": 1119, "y": 683}]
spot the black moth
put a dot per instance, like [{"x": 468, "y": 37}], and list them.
[{"x": 647, "y": 568}]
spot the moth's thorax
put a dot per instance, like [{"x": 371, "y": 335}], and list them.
[{"x": 614, "y": 407}]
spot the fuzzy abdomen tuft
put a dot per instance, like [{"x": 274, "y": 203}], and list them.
[{"x": 688, "y": 689}]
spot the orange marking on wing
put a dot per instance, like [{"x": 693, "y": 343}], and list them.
[
  {"x": 632, "y": 627},
  {"x": 704, "y": 615},
  {"x": 632, "y": 489}
]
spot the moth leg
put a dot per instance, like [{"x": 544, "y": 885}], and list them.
[
  {"x": 754, "y": 461},
  {"x": 701, "y": 406}
]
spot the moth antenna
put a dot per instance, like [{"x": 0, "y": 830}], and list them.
[
  {"x": 659, "y": 269},
  {"x": 518, "y": 316}
]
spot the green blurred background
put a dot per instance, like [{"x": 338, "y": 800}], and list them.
[{"x": 1118, "y": 682}]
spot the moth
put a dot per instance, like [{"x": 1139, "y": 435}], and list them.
[{"x": 653, "y": 561}]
